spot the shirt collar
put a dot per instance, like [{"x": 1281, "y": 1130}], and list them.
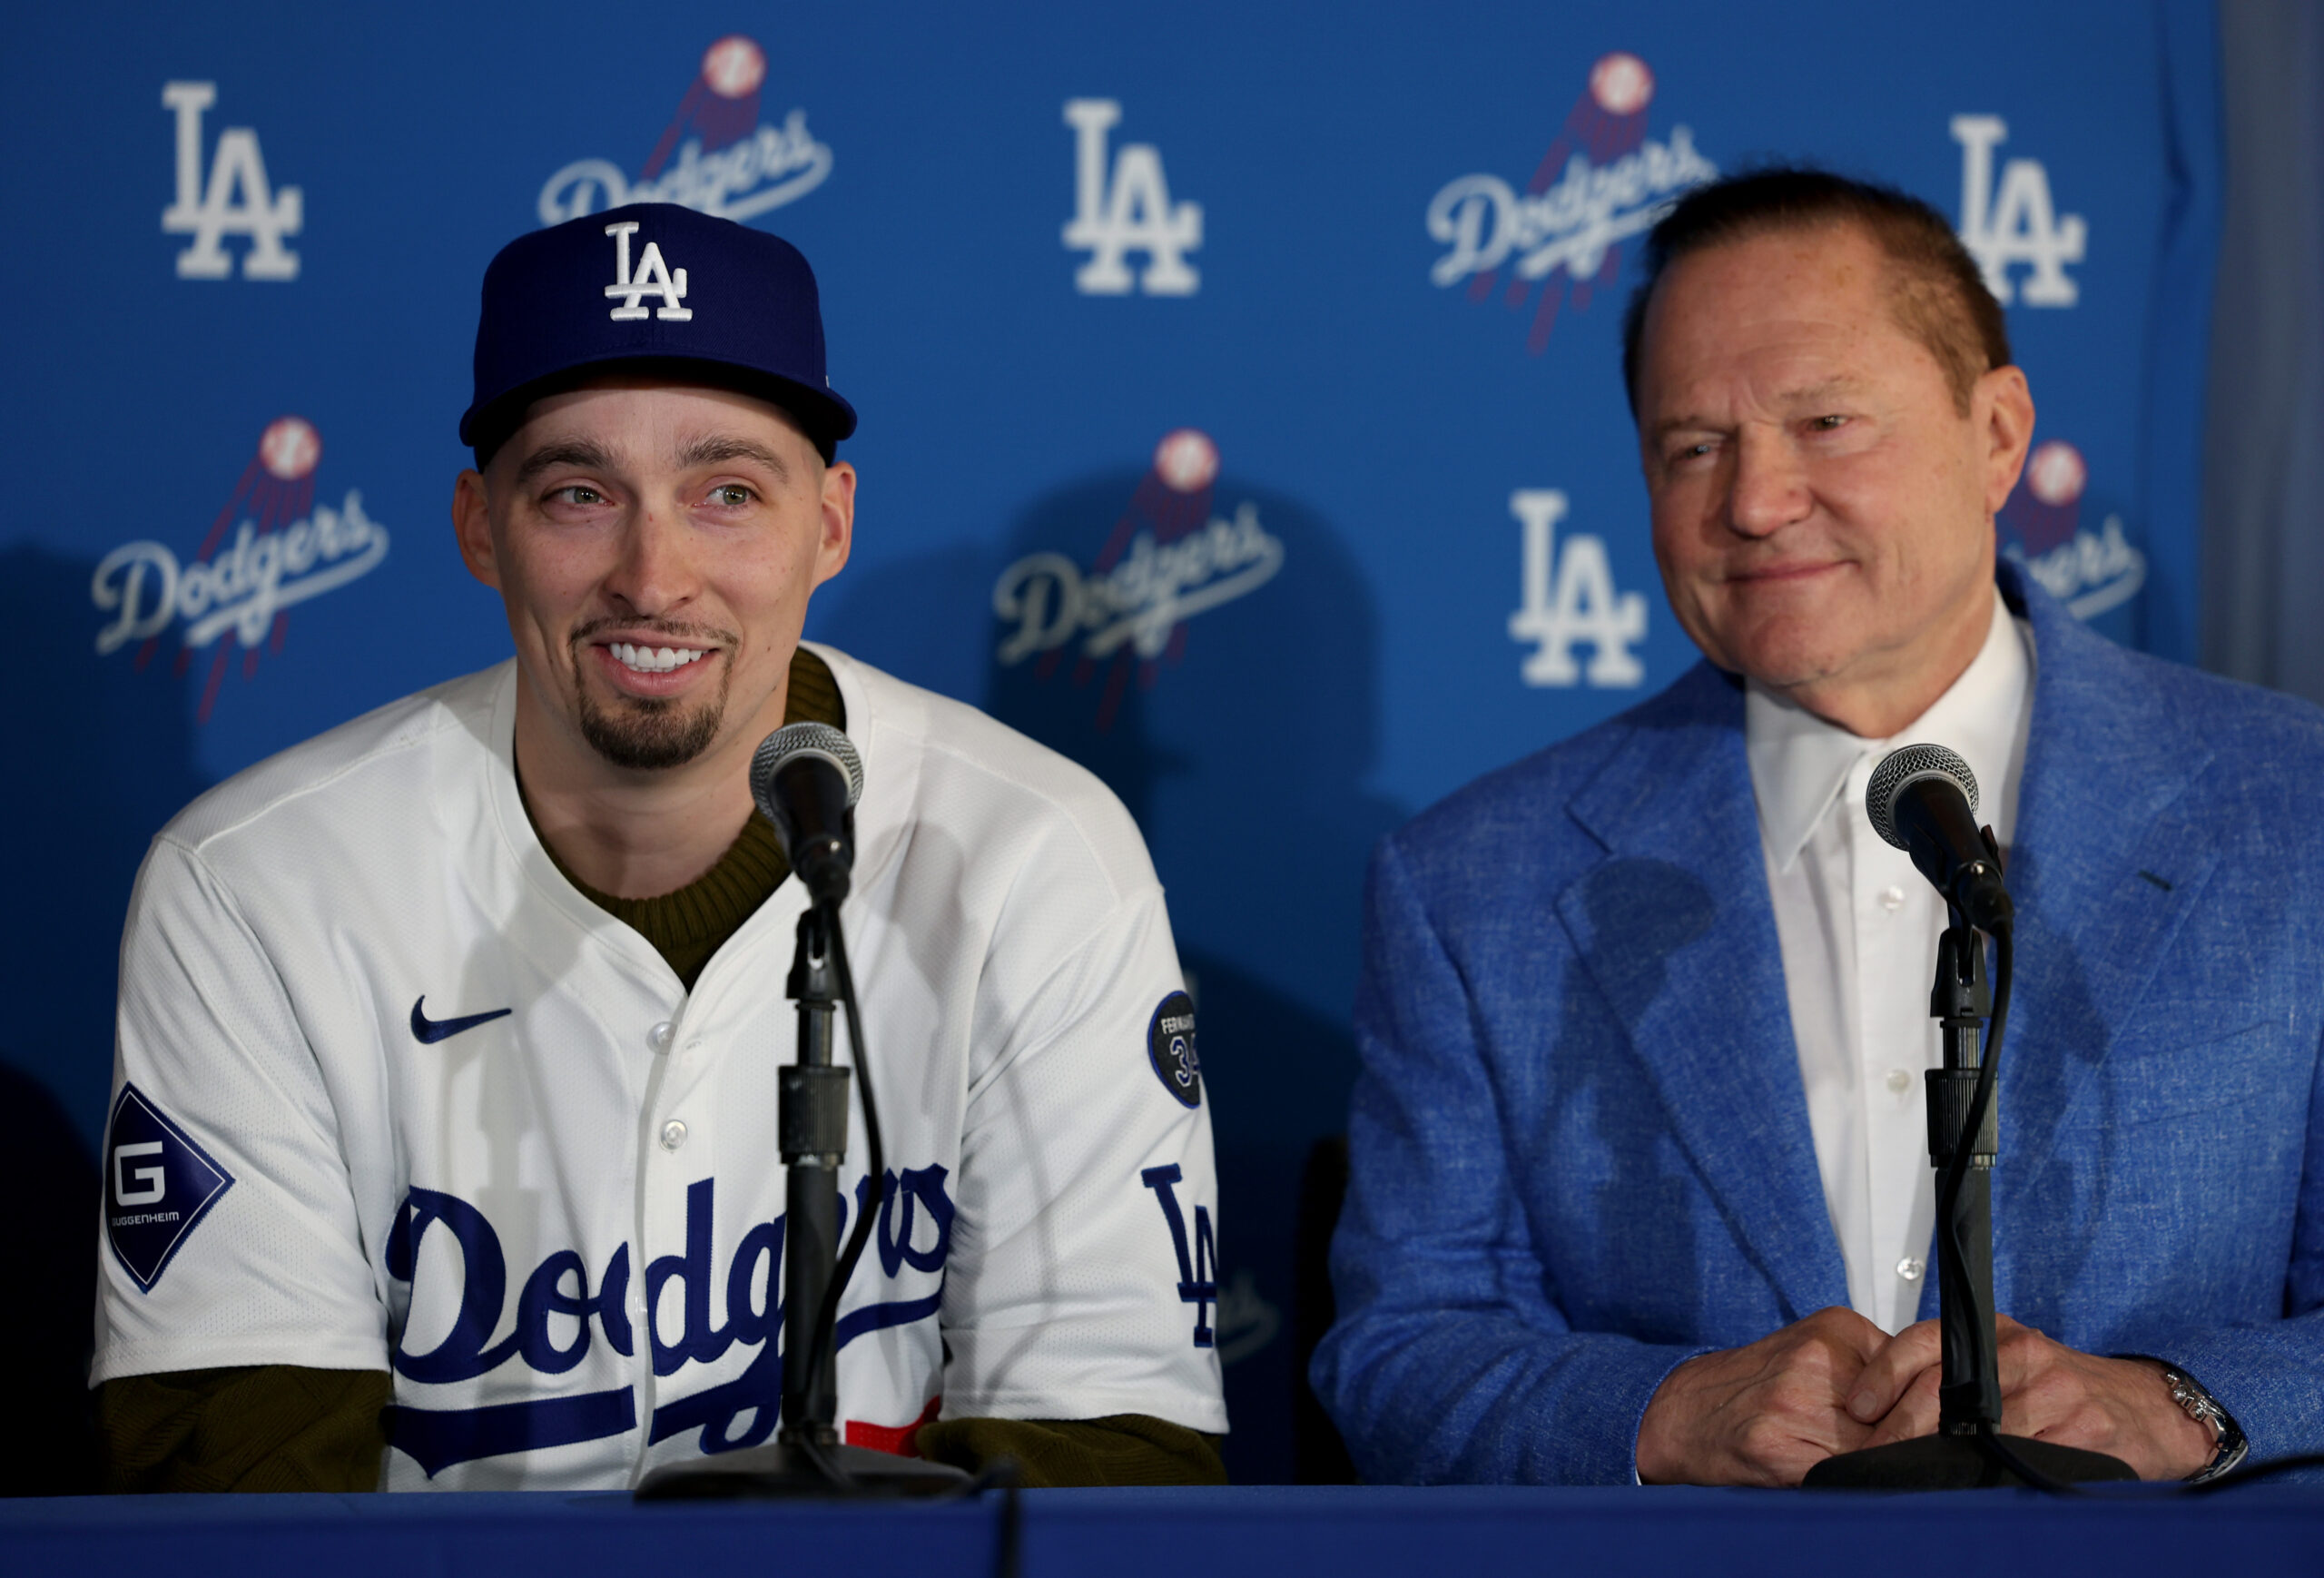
[{"x": 1800, "y": 763}]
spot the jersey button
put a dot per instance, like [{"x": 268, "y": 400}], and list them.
[
  {"x": 674, "y": 1134},
  {"x": 658, "y": 1038}
]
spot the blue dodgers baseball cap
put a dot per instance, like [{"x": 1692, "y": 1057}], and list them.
[{"x": 659, "y": 285}]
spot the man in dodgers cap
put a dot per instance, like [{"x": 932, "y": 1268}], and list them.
[{"x": 443, "y": 1150}]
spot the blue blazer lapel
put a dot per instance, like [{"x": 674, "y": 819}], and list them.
[
  {"x": 1675, "y": 928},
  {"x": 2102, "y": 866}
]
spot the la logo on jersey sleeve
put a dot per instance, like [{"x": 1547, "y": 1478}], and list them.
[{"x": 158, "y": 1185}]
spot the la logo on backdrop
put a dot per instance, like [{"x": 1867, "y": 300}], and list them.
[
  {"x": 1125, "y": 207},
  {"x": 1570, "y": 601},
  {"x": 1603, "y": 181},
  {"x": 1169, "y": 557},
  {"x": 2014, "y": 221},
  {"x": 235, "y": 199},
  {"x": 716, "y": 155},
  {"x": 2010, "y": 221},
  {"x": 270, "y": 548}
]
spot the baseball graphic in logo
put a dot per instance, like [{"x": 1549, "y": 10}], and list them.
[
  {"x": 1170, "y": 1046},
  {"x": 1552, "y": 243},
  {"x": 2057, "y": 473},
  {"x": 734, "y": 68},
  {"x": 718, "y": 154},
  {"x": 1169, "y": 557},
  {"x": 289, "y": 447},
  {"x": 273, "y": 546},
  {"x": 1186, "y": 460},
  {"x": 1620, "y": 84}
]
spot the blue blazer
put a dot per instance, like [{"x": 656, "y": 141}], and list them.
[{"x": 1579, "y": 1148}]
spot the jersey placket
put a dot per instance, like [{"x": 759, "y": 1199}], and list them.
[{"x": 674, "y": 1154}]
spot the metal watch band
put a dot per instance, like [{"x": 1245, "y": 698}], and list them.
[{"x": 2204, "y": 1409}]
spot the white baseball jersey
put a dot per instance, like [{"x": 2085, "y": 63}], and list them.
[{"x": 391, "y": 1094}]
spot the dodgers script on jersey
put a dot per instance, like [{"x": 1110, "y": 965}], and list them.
[{"x": 391, "y": 1094}]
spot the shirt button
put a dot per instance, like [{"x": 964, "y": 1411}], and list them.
[
  {"x": 658, "y": 1038},
  {"x": 674, "y": 1134},
  {"x": 1899, "y": 1081},
  {"x": 1892, "y": 899},
  {"x": 1910, "y": 1270}
]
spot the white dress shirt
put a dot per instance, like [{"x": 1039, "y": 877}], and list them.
[{"x": 1858, "y": 927}]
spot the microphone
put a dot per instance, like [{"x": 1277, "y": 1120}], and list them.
[
  {"x": 1922, "y": 799},
  {"x": 806, "y": 779}
]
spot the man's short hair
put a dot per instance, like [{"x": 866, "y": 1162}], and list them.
[{"x": 1937, "y": 291}]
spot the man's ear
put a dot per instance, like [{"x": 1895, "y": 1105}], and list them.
[
  {"x": 2004, "y": 409},
  {"x": 472, "y": 525},
  {"x": 838, "y": 538}
]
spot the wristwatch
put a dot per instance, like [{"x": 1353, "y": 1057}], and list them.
[{"x": 2203, "y": 1408}]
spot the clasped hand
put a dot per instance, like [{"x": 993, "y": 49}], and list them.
[{"x": 1768, "y": 1413}]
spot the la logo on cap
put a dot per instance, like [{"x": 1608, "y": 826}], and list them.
[{"x": 653, "y": 277}]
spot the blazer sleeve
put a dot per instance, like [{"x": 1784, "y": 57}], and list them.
[
  {"x": 1451, "y": 1360},
  {"x": 2271, "y": 1374}
]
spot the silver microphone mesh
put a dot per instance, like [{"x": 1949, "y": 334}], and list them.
[
  {"x": 794, "y": 740},
  {"x": 1906, "y": 765}
]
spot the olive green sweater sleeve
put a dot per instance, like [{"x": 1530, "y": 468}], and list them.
[
  {"x": 1119, "y": 1449},
  {"x": 281, "y": 1427},
  {"x": 270, "y": 1427}
]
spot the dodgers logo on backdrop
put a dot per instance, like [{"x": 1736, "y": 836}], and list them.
[
  {"x": 2090, "y": 572},
  {"x": 1125, "y": 210},
  {"x": 1168, "y": 558},
  {"x": 1246, "y": 1321},
  {"x": 159, "y": 1185},
  {"x": 1570, "y": 600},
  {"x": 238, "y": 589},
  {"x": 236, "y": 199},
  {"x": 1603, "y": 181},
  {"x": 2017, "y": 222},
  {"x": 716, "y": 155}
]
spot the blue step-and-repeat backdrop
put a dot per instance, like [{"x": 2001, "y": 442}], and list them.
[{"x": 1241, "y": 411}]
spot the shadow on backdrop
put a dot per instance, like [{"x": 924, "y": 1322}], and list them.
[
  {"x": 1240, "y": 746},
  {"x": 107, "y": 758}
]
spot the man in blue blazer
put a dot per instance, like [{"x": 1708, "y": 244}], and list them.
[{"x": 1596, "y": 1229}]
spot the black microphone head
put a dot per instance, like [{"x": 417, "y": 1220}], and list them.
[
  {"x": 1900, "y": 769},
  {"x": 792, "y": 741}
]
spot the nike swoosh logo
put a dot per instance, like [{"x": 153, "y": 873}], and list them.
[{"x": 431, "y": 1031}]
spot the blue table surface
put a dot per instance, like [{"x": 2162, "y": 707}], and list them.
[{"x": 1272, "y": 1531}]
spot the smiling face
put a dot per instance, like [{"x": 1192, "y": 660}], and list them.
[
  {"x": 1822, "y": 507},
  {"x": 656, "y": 546}
]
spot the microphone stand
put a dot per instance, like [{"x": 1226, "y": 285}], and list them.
[
  {"x": 807, "y": 1457},
  {"x": 1968, "y": 1450}
]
